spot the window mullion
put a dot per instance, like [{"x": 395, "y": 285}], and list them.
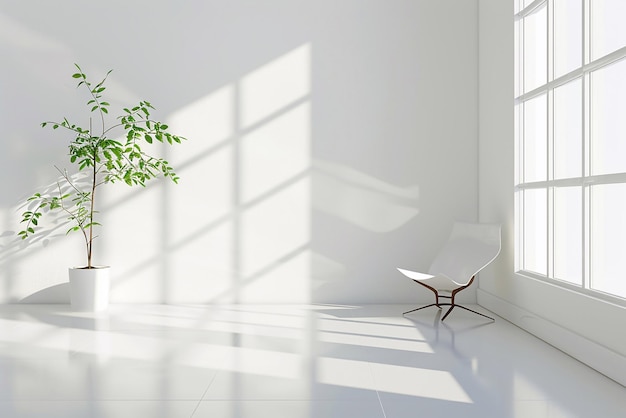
[
  {"x": 586, "y": 32},
  {"x": 586, "y": 147},
  {"x": 550, "y": 232},
  {"x": 586, "y": 258},
  {"x": 550, "y": 140},
  {"x": 530, "y": 8},
  {"x": 551, "y": 46},
  {"x": 550, "y": 189}
]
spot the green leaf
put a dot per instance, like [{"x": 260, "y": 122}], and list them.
[
  {"x": 77, "y": 75},
  {"x": 148, "y": 138}
]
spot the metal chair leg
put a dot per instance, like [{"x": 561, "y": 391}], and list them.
[
  {"x": 478, "y": 313},
  {"x": 422, "y": 307},
  {"x": 449, "y": 310},
  {"x": 448, "y": 313}
]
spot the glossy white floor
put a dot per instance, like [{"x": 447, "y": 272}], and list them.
[{"x": 286, "y": 362}]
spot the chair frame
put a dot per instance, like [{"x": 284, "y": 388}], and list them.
[{"x": 452, "y": 303}]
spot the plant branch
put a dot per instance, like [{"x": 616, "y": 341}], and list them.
[
  {"x": 106, "y": 159},
  {"x": 73, "y": 216}
]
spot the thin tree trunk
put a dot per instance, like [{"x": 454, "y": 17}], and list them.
[{"x": 91, "y": 209}]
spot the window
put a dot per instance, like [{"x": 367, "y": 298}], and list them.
[{"x": 570, "y": 123}]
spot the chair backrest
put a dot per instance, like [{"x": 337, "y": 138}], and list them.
[{"x": 470, "y": 248}]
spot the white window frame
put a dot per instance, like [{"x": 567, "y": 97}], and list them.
[{"x": 586, "y": 180}]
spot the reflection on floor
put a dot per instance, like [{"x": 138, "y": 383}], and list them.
[{"x": 286, "y": 362}]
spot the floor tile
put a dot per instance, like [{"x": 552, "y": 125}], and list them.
[
  {"x": 97, "y": 409},
  {"x": 242, "y": 386},
  {"x": 291, "y": 409}
]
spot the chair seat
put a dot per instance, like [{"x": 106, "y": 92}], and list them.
[{"x": 440, "y": 282}]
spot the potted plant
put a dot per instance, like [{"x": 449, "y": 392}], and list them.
[{"x": 104, "y": 152}]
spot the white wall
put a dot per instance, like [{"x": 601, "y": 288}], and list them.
[
  {"x": 328, "y": 143},
  {"x": 585, "y": 327}
]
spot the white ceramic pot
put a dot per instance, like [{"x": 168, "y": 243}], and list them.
[{"x": 89, "y": 288}]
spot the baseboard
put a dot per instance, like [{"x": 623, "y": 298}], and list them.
[{"x": 596, "y": 356}]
